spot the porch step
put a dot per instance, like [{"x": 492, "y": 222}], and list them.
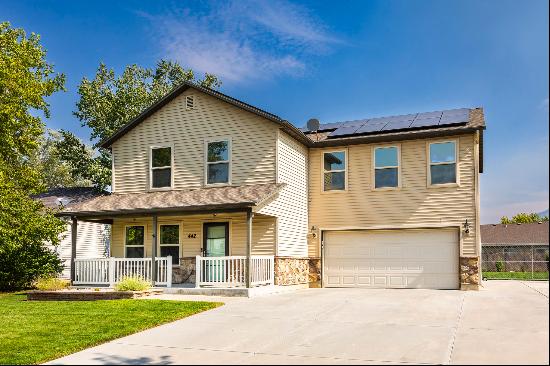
[{"x": 231, "y": 292}]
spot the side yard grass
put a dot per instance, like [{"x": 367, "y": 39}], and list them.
[
  {"x": 515, "y": 275},
  {"x": 32, "y": 332}
]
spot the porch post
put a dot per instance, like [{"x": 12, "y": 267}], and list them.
[
  {"x": 74, "y": 228},
  {"x": 249, "y": 216},
  {"x": 154, "y": 252}
]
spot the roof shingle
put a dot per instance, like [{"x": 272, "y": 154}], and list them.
[{"x": 514, "y": 234}]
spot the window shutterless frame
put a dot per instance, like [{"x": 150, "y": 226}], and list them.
[
  {"x": 151, "y": 168},
  {"x": 375, "y": 168},
  {"x": 325, "y": 171},
  {"x": 133, "y": 245},
  {"x": 429, "y": 163},
  {"x": 160, "y": 238},
  {"x": 228, "y": 161}
]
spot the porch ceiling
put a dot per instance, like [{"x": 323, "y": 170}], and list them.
[{"x": 196, "y": 200}]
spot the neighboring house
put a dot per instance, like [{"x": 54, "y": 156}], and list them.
[
  {"x": 93, "y": 238},
  {"x": 381, "y": 202},
  {"x": 519, "y": 247}
]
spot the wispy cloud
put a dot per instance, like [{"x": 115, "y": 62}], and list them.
[
  {"x": 544, "y": 103},
  {"x": 243, "y": 40}
]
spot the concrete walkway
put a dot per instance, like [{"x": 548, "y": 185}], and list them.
[{"x": 504, "y": 323}]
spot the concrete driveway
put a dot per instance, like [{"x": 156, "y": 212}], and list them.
[{"x": 504, "y": 323}]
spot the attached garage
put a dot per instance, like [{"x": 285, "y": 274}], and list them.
[{"x": 416, "y": 258}]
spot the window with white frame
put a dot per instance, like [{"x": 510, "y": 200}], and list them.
[
  {"x": 386, "y": 167},
  {"x": 170, "y": 242},
  {"x": 334, "y": 171},
  {"x": 442, "y": 162},
  {"x": 161, "y": 167},
  {"x": 134, "y": 241},
  {"x": 218, "y": 162}
]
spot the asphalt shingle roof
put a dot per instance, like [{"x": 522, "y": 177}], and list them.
[{"x": 514, "y": 234}]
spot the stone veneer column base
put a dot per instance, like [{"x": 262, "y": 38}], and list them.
[
  {"x": 469, "y": 273},
  {"x": 185, "y": 273}
]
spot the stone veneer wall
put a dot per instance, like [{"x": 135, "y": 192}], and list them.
[
  {"x": 469, "y": 273},
  {"x": 295, "y": 271},
  {"x": 185, "y": 273}
]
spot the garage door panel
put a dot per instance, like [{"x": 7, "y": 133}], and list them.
[{"x": 394, "y": 259}]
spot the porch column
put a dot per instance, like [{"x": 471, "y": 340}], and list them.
[
  {"x": 249, "y": 216},
  {"x": 154, "y": 251},
  {"x": 74, "y": 228}
]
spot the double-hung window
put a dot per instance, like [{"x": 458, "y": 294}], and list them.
[
  {"x": 170, "y": 242},
  {"x": 218, "y": 160},
  {"x": 443, "y": 168},
  {"x": 386, "y": 167},
  {"x": 161, "y": 167},
  {"x": 334, "y": 171},
  {"x": 134, "y": 241}
]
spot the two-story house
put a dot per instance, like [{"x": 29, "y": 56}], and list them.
[{"x": 236, "y": 196}]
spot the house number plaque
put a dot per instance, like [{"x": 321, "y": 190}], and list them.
[{"x": 192, "y": 235}]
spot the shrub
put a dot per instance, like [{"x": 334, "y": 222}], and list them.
[
  {"x": 500, "y": 266},
  {"x": 133, "y": 283},
  {"x": 51, "y": 284}
]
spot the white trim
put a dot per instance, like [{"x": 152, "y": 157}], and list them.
[
  {"x": 112, "y": 171},
  {"x": 180, "y": 235},
  {"x": 144, "y": 225},
  {"x": 345, "y": 170},
  {"x": 429, "y": 164},
  {"x": 228, "y": 161},
  {"x": 374, "y": 168},
  {"x": 161, "y": 146}
]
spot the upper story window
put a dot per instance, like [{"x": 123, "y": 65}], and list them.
[
  {"x": 161, "y": 167},
  {"x": 442, "y": 169},
  {"x": 134, "y": 241},
  {"x": 334, "y": 171},
  {"x": 386, "y": 167},
  {"x": 218, "y": 162}
]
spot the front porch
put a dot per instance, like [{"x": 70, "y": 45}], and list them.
[{"x": 209, "y": 272}]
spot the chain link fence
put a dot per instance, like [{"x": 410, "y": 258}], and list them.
[{"x": 515, "y": 262}]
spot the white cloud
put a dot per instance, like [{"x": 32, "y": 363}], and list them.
[
  {"x": 242, "y": 41},
  {"x": 544, "y": 103}
]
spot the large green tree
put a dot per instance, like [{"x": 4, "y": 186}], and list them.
[
  {"x": 26, "y": 79},
  {"x": 109, "y": 101},
  {"x": 523, "y": 218}
]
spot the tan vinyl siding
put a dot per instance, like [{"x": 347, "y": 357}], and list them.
[
  {"x": 263, "y": 233},
  {"x": 91, "y": 242},
  {"x": 253, "y": 141},
  {"x": 413, "y": 205},
  {"x": 291, "y": 206}
]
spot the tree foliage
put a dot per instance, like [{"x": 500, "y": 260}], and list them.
[
  {"x": 26, "y": 79},
  {"x": 523, "y": 218},
  {"x": 108, "y": 101}
]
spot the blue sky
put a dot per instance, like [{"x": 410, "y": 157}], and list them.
[{"x": 314, "y": 59}]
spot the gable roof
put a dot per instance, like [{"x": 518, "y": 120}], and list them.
[
  {"x": 287, "y": 126},
  {"x": 68, "y": 196},
  {"x": 515, "y": 234}
]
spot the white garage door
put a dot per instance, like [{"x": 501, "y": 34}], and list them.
[{"x": 391, "y": 259}]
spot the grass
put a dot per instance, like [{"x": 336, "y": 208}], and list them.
[
  {"x": 515, "y": 275},
  {"x": 37, "y": 331}
]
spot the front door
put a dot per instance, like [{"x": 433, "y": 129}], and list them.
[{"x": 216, "y": 244}]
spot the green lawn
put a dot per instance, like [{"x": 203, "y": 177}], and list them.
[
  {"x": 37, "y": 331},
  {"x": 515, "y": 275}
]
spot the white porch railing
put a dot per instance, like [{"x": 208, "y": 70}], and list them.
[
  {"x": 109, "y": 271},
  {"x": 230, "y": 271}
]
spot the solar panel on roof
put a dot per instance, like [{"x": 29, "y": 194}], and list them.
[
  {"x": 424, "y": 115},
  {"x": 357, "y": 123},
  {"x": 452, "y": 119},
  {"x": 344, "y": 131},
  {"x": 425, "y": 122},
  {"x": 371, "y": 127},
  {"x": 397, "y": 125}
]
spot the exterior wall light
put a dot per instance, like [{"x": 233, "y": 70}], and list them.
[{"x": 466, "y": 226}]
